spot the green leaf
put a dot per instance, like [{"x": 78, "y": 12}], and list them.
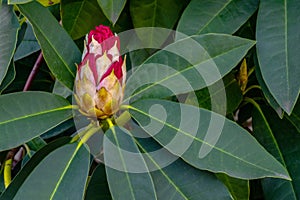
[
  {"x": 18, "y": 1},
  {"x": 9, "y": 26},
  {"x": 28, "y": 45},
  {"x": 206, "y": 140},
  {"x": 277, "y": 49},
  {"x": 127, "y": 175},
  {"x": 238, "y": 188},
  {"x": 155, "y": 13},
  {"x": 270, "y": 99},
  {"x": 80, "y": 16},
  {"x": 26, "y": 115},
  {"x": 282, "y": 139},
  {"x": 98, "y": 186},
  {"x": 222, "y": 16},
  {"x": 190, "y": 183},
  {"x": 59, "y": 51},
  {"x": 211, "y": 98},
  {"x": 294, "y": 118},
  {"x": 112, "y": 9},
  {"x": 10, "y": 76},
  {"x": 60, "y": 175},
  {"x": 195, "y": 63},
  {"x": 19, "y": 179},
  {"x": 36, "y": 144}
]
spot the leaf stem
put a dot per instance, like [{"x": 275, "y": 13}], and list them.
[
  {"x": 250, "y": 88},
  {"x": 33, "y": 72}
]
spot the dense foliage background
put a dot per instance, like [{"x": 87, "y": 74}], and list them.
[{"x": 255, "y": 46}]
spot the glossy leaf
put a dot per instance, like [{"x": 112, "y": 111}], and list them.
[
  {"x": 282, "y": 139},
  {"x": 180, "y": 62},
  {"x": 127, "y": 175},
  {"x": 239, "y": 189},
  {"x": 58, "y": 180},
  {"x": 8, "y": 37},
  {"x": 19, "y": 179},
  {"x": 59, "y": 51},
  {"x": 28, "y": 45},
  {"x": 190, "y": 183},
  {"x": 43, "y": 2},
  {"x": 98, "y": 186},
  {"x": 225, "y": 16},
  {"x": 112, "y": 8},
  {"x": 155, "y": 13},
  {"x": 36, "y": 113},
  {"x": 277, "y": 23},
  {"x": 81, "y": 16},
  {"x": 212, "y": 98},
  {"x": 206, "y": 140}
]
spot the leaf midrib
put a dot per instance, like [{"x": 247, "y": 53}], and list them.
[
  {"x": 201, "y": 141},
  {"x": 179, "y": 72},
  {"x": 35, "y": 114},
  {"x": 46, "y": 38}
]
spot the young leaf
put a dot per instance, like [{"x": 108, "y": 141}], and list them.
[
  {"x": 59, "y": 51},
  {"x": 277, "y": 49},
  {"x": 9, "y": 26},
  {"x": 26, "y": 115},
  {"x": 206, "y": 140},
  {"x": 223, "y": 16}
]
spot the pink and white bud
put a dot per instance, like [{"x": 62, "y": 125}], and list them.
[{"x": 101, "y": 75}]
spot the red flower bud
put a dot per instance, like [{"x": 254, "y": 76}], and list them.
[{"x": 101, "y": 75}]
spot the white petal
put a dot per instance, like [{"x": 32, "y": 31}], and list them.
[
  {"x": 95, "y": 47},
  {"x": 102, "y": 65},
  {"x": 124, "y": 71},
  {"x": 114, "y": 52}
]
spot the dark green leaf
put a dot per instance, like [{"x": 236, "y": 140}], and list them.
[
  {"x": 266, "y": 91},
  {"x": 206, "y": 140},
  {"x": 30, "y": 166},
  {"x": 26, "y": 115},
  {"x": 60, "y": 175},
  {"x": 195, "y": 63},
  {"x": 98, "y": 186},
  {"x": 28, "y": 45},
  {"x": 294, "y": 118},
  {"x": 212, "y": 98},
  {"x": 277, "y": 49},
  {"x": 59, "y": 51},
  {"x": 222, "y": 16},
  {"x": 282, "y": 139},
  {"x": 8, "y": 37},
  {"x": 112, "y": 8},
  {"x": 155, "y": 13},
  {"x": 127, "y": 174},
  {"x": 173, "y": 177},
  {"x": 8, "y": 79},
  {"x": 80, "y": 16},
  {"x": 36, "y": 143},
  {"x": 238, "y": 188}
]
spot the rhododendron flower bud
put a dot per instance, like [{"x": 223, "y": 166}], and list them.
[{"x": 101, "y": 75}]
